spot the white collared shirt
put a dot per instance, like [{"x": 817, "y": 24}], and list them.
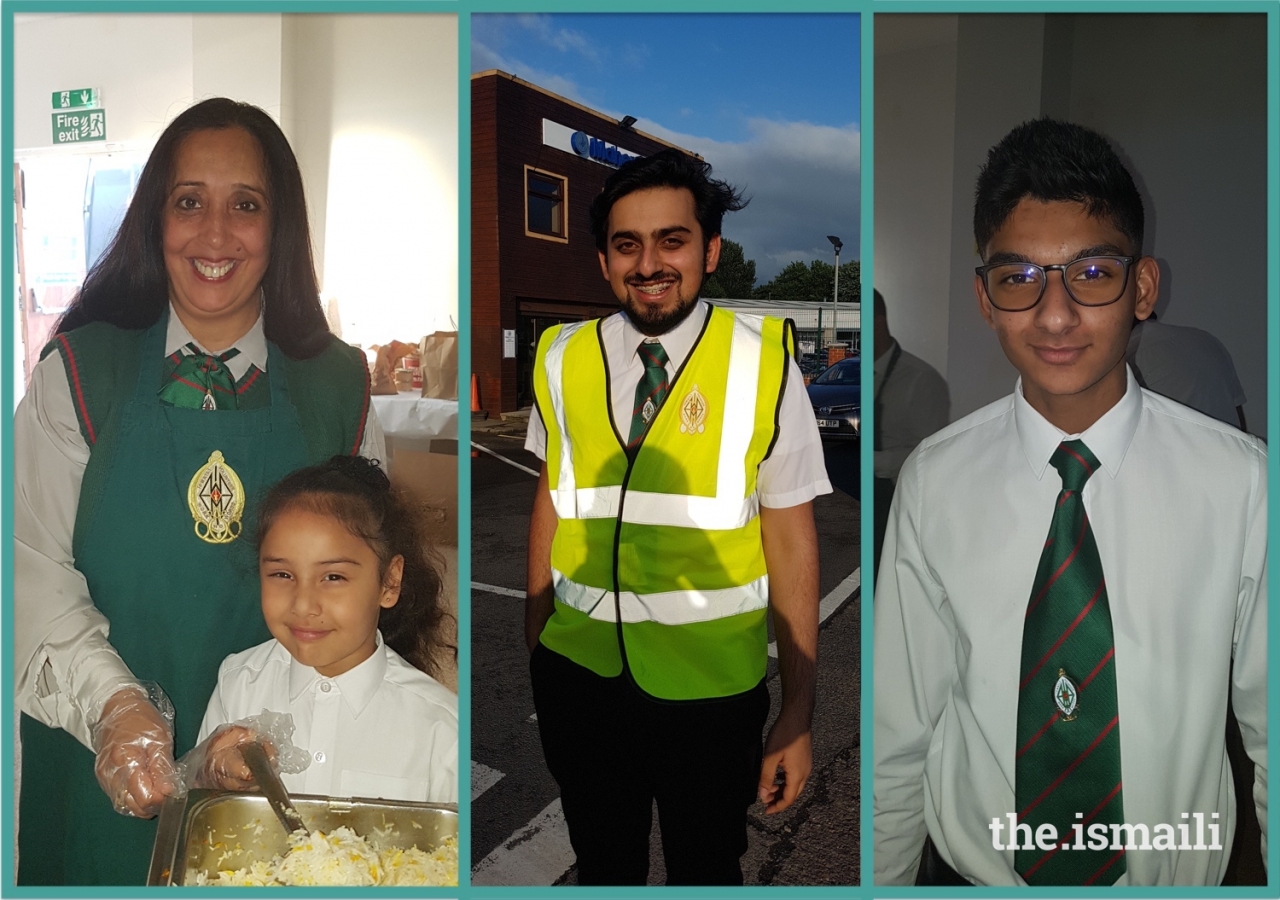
[
  {"x": 1178, "y": 510},
  {"x": 65, "y": 666},
  {"x": 914, "y": 403},
  {"x": 795, "y": 471},
  {"x": 383, "y": 729}
]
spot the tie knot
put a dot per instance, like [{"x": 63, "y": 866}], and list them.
[
  {"x": 1075, "y": 463},
  {"x": 652, "y": 355},
  {"x": 221, "y": 357}
]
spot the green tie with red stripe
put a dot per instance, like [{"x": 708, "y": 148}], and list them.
[
  {"x": 1068, "y": 757},
  {"x": 650, "y": 391},
  {"x": 201, "y": 381}
]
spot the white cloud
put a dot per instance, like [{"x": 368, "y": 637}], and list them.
[
  {"x": 566, "y": 40},
  {"x": 803, "y": 183},
  {"x": 484, "y": 57}
]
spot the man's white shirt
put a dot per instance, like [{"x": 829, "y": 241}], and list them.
[
  {"x": 795, "y": 471},
  {"x": 1178, "y": 510}
]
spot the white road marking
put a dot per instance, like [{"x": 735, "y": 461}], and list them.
[
  {"x": 510, "y": 462},
  {"x": 830, "y": 603},
  {"x": 483, "y": 778},
  {"x": 494, "y": 589},
  {"x": 537, "y": 854}
]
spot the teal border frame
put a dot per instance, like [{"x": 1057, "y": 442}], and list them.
[{"x": 463, "y": 8}]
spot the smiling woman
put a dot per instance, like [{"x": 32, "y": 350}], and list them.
[
  {"x": 194, "y": 369},
  {"x": 217, "y": 230}
]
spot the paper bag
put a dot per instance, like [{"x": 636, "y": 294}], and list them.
[
  {"x": 382, "y": 380},
  {"x": 439, "y": 355}
]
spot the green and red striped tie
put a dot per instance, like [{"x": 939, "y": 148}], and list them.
[
  {"x": 650, "y": 391},
  {"x": 201, "y": 381},
  {"x": 1068, "y": 762}
]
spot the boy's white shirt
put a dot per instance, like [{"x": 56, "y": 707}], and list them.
[
  {"x": 1186, "y": 574},
  {"x": 380, "y": 730}
]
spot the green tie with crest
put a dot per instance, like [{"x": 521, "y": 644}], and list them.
[
  {"x": 650, "y": 391},
  {"x": 1068, "y": 757},
  {"x": 201, "y": 381}
]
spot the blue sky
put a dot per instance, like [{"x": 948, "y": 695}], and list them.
[{"x": 770, "y": 100}]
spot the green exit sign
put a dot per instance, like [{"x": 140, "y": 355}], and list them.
[
  {"x": 78, "y": 127},
  {"x": 77, "y": 99}
]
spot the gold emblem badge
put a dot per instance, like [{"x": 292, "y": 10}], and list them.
[
  {"x": 216, "y": 500},
  {"x": 693, "y": 412}
]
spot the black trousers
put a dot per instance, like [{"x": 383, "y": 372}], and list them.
[{"x": 614, "y": 750}]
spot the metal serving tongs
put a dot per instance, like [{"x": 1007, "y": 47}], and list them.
[{"x": 255, "y": 757}]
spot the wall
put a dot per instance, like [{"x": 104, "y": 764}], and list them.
[
  {"x": 142, "y": 64},
  {"x": 1183, "y": 98},
  {"x": 915, "y": 120},
  {"x": 385, "y": 87}
]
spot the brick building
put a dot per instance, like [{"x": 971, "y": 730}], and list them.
[{"x": 537, "y": 161}]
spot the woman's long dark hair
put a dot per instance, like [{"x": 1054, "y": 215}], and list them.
[
  {"x": 356, "y": 492},
  {"x": 129, "y": 286}
]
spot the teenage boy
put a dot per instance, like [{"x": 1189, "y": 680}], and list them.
[
  {"x": 674, "y": 511},
  {"x": 1074, "y": 576}
]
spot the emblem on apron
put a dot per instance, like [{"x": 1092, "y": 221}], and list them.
[
  {"x": 1066, "y": 696},
  {"x": 216, "y": 500},
  {"x": 693, "y": 412}
]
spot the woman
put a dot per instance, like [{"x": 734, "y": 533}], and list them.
[{"x": 194, "y": 370}]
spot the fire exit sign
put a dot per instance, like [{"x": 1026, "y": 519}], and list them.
[
  {"x": 77, "y": 99},
  {"x": 78, "y": 127}
]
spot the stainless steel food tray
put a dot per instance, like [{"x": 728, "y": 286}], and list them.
[{"x": 212, "y": 830}]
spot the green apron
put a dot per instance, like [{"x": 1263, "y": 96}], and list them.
[{"x": 177, "y": 606}]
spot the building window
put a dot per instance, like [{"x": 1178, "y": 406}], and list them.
[{"x": 545, "y": 205}]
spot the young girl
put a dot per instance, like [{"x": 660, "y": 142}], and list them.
[{"x": 354, "y": 606}]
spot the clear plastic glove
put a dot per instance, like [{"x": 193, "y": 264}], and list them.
[
  {"x": 133, "y": 740},
  {"x": 216, "y": 761}
]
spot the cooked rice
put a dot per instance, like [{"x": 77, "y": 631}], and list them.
[{"x": 343, "y": 858}]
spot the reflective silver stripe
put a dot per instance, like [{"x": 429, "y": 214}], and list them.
[
  {"x": 685, "y": 511},
  {"x": 589, "y": 503},
  {"x": 562, "y": 493},
  {"x": 739, "y": 409},
  {"x": 665, "y": 608}
]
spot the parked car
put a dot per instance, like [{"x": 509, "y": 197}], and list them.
[{"x": 836, "y": 396}]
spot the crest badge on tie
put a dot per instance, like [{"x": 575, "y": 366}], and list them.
[
  {"x": 1066, "y": 696},
  {"x": 216, "y": 500},
  {"x": 693, "y": 412}
]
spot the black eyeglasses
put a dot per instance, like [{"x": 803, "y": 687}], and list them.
[{"x": 1092, "y": 281}]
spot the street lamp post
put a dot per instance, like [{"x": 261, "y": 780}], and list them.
[{"x": 835, "y": 293}]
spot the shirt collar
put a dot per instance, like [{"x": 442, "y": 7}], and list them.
[
  {"x": 1108, "y": 438},
  {"x": 677, "y": 342},
  {"x": 252, "y": 346},
  {"x": 357, "y": 685}
]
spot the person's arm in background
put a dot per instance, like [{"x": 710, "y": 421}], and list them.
[
  {"x": 928, "y": 409},
  {"x": 790, "y": 542}
]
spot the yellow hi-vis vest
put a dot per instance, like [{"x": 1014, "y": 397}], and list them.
[{"x": 657, "y": 560}]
